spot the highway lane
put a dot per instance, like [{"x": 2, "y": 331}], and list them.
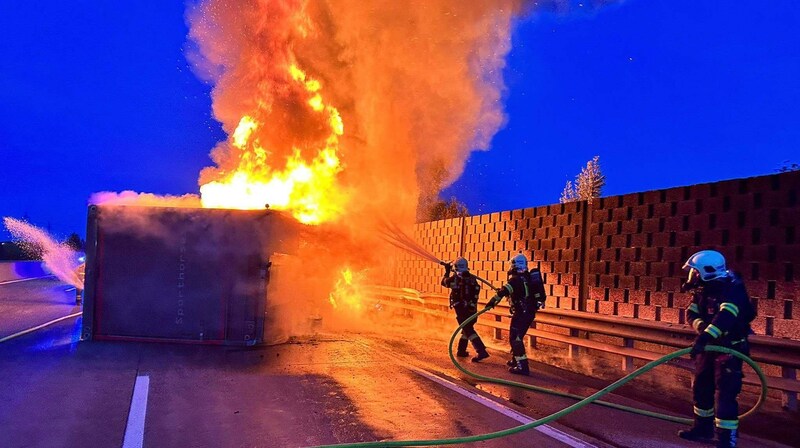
[
  {"x": 325, "y": 388},
  {"x": 28, "y": 302}
]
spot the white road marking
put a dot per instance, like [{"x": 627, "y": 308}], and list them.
[
  {"x": 134, "y": 432},
  {"x": 505, "y": 410},
  {"x": 32, "y": 329},
  {"x": 8, "y": 282}
]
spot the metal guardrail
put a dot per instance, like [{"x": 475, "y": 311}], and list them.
[{"x": 780, "y": 352}]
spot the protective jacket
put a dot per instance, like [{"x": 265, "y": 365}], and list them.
[
  {"x": 525, "y": 291},
  {"x": 722, "y": 309},
  {"x": 464, "y": 290}
]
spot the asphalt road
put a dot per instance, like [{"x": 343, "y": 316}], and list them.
[{"x": 317, "y": 389}]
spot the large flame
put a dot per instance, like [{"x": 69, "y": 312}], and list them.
[
  {"x": 417, "y": 83},
  {"x": 306, "y": 188}
]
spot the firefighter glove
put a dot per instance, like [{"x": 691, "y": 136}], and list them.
[
  {"x": 447, "y": 268},
  {"x": 699, "y": 345},
  {"x": 493, "y": 302},
  {"x": 539, "y": 305}
]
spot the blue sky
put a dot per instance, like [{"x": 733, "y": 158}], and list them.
[{"x": 666, "y": 92}]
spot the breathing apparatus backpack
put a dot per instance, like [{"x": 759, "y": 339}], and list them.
[{"x": 536, "y": 295}]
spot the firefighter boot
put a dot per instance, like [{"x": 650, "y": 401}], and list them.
[
  {"x": 511, "y": 362},
  {"x": 480, "y": 348},
  {"x": 726, "y": 438},
  {"x": 482, "y": 354},
  {"x": 521, "y": 368},
  {"x": 702, "y": 431},
  {"x": 462, "y": 348}
]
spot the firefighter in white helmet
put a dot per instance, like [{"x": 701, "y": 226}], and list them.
[
  {"x": 720, "y": 312},
  {"x": 525, "y": 291},
  {"x": 464, "y": 291}
]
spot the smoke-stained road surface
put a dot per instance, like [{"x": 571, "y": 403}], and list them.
[{"x": 318, "y": 389}]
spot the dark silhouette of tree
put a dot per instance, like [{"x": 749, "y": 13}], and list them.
[
  {"x": 11, "y": 251},
  {"x": 788, "y": 166},
  {"x": 452, "y": 208},
  {"x": 75, "y": 242}
]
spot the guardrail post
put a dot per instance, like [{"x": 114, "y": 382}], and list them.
[
  {"x": 789, "y": 399},
  {"x": 627, "y": 361},
  {"x": 573, "y": 351}
]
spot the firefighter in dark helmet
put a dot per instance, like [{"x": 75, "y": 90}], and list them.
[
  {"x": 721, "y": 313},
  {"x": 464, "y": 291},
  {"x": 525, "y": 291}
]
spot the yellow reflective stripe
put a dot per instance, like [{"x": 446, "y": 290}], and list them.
[
  {"x": 703, "y": 412},
  {"x": 726, "y": 424},
  {"x": 713, "y": 331},
  {"x": 509, "y": 288},
  {"x": 521, "y": 358},
  {"x": 463, "y": 336},
  {"x": 473, "y": 337},
  {"x": 696, "y": 324},
  {"x": 694, "y": 308},
  {"x": 526, "y": 289},
  {"x": 730, "y": 307}
]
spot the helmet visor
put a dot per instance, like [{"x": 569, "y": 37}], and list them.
[{"x": 694, "y": 277}]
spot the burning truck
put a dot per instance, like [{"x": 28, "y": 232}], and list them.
[{"x": 181, "y": 274}]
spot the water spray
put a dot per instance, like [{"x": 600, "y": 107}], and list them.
[{"x": 395, "y": 236}]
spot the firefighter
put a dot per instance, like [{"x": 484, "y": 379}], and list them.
[
  {"x": 525, "y": 291},
  {"x": 464, "y": 291},
  {"x": 720, "y": 312}
]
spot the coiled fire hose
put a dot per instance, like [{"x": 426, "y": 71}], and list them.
[{"x": 594, "y": 398}]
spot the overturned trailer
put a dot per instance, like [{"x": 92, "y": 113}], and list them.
[{"x": 180, "y": 274}]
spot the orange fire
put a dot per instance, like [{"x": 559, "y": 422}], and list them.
[
  {"x": 346, "y": 292},
  {"x": 419, "y": 85},
  {"x": 306, "y": 188}
]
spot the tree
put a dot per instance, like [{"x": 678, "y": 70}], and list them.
[
  {"x": 11, "y": 251},
  {"x": 447, "y": 209},
  {"x": 788, "y": 166},
  {"x": 588, "y": 183},
  {"x": 75, "y": 242}
]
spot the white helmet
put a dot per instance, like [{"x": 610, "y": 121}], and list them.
[
  {"x": 519, "y": 263},
  {"x": 708, "y": 264},
  {"x": 461, "y": 265}
]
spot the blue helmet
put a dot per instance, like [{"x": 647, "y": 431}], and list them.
[
  {"x": 461, "y": 265},
  {"x": 519, "y": 263},
  {"x": 708, "y": 264}
]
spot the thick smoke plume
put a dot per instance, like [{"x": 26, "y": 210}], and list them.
[
  {"x": 402, "y": 91},
  {"x": 418, "y": 85},
  {"x": 129, "y": 197}
]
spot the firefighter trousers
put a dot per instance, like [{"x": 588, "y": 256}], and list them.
[
  {"x": 723, "y": 373},
  {"x": 520, "y": 323},
  {"x": 468, "y": 333}
]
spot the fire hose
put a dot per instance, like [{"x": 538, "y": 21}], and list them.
[
  {"x": 396, "y": 237},
  {"x": 594, "y": 398}
]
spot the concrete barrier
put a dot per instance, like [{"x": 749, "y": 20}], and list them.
[{"x": 16, "y": 270}]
